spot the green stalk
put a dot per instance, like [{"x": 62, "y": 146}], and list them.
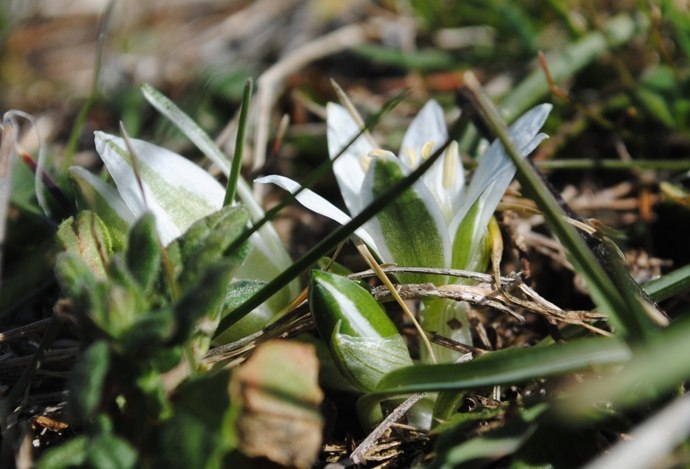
[
  {"x": 86, "y": 108},
  {"x": 619, "y": 30},
  {"x": 611, "y": 300},
  {"x": 613, "y": 165},
  {"x": 234, "y": 176}
]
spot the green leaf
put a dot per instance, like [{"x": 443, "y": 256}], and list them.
[
  {"x": 236, "y": 294},
  {"x": 203, "y": 300},
  {"x": 657, "y": 106},
  {"x": 71, "y": 453},
  {"x": 669, "y": 285},
  {"x": 96, "y": 195},
  {"x": 471, "y": 245},
  {"x": 334, "y": 299},
  {"x": 108, "y": 451},
  {"x": 198, "y": 435},
  {"x": 89, "y": 238},
  {"x": 143, "y": 252},
  {"x": 146, "y": 332},
  {"x": 206, "y": 240},
  {"x": 364, "y": 342},
  {"x": 89, "y": 295},
  {"x": 410, "y": 231},
  {"x": 86, "y": 385},
  {"x": 364, "y": 361},
  {"x": 508, "y": 367},
  {"x": 414, "y": 60},
  {"x": 657, "y": 369},
  {"x": 488, "y": 447},
  {"x": 609, "y": 288},
  {"x": 267, "y": 241},
  {"x": 566, "y": 62},
  {"x": 125, "y": 299}
]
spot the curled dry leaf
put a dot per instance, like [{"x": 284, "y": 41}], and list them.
[{"x": 277, "y": 397}]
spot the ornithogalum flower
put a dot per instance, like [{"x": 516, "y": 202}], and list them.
[{"x": 438, "y": 222}]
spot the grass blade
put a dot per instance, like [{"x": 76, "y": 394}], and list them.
[
  {"x": 507, "y": 367},
  {"x": 619, "y": 302}
]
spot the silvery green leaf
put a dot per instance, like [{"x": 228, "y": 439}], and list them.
[
  {"x": 266, "y": 241},
  {"x": 364, "y": 342},
  {"x": 364, "y": 361},
  {"x": 176, "y": 191},
  {"x": 447, "y": 318}
]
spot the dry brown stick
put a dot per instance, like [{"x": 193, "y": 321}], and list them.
[
  {"x": 50, "y": 356},
  {"x": 22, "y": 331}
]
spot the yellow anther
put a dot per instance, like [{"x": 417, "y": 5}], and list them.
[
  {"x": 412, "y": 154},
  {"x": 426, "y": 149},
  {"x": 378, "y": 153},
  {"x": 450, "y": 164},
  {"x": 364, "y": 162}
]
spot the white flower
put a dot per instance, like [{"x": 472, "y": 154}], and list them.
[{"x": 437, "y": 222}]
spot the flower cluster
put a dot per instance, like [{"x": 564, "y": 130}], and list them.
[{"x": 439, "y": 221}]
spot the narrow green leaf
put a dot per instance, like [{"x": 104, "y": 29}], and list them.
[
  {"x": 87, "y": 381},
  {"x": 669, "y": 285},
  {"x": 488, "y": 447},
  {"x": 93, "y": 92},
  {"x": 143, "y": 252},
  {"x": 508, "y": 367},
  {"x": 564, "y": 63},
  {"x": 71, "y": 453},
  {"x": 234, "y": 176},
  {"x": 413, "y": 60},
  {"x": 614, "y": 300},
  {"x": 656, "y": 370}
]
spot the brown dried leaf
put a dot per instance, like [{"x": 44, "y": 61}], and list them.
[{"x": 277, "y": 395}]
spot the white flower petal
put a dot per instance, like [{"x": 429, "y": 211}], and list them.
[
  {"x": 316, "y": 203},
  {"x": 496, "y": 170},
  {"x": 429, "y": 125},
  {"x": 521, "y": 134},
  {"x": 347, "y": 169}
]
